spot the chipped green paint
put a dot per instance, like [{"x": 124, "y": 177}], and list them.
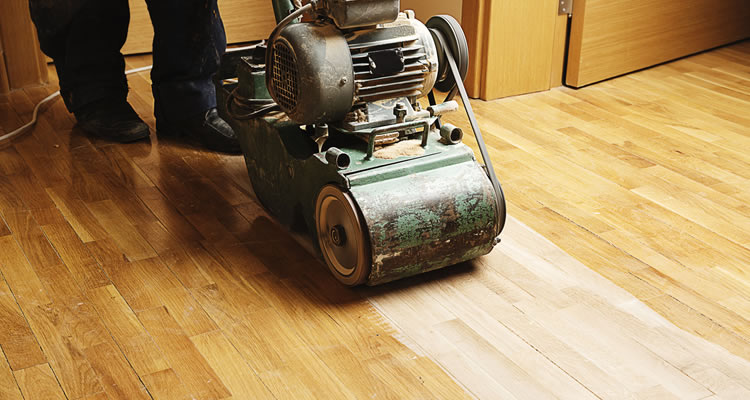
[
  {"x": 408, "y": 232},
  {"x": 428, "y": 220}
]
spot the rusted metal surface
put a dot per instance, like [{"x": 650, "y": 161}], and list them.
[{"x": 427, "y": 220}]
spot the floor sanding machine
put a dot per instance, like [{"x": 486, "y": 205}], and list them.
[{"x": 338, "y": 145}]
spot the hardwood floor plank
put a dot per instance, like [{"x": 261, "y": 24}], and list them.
[
  {"x": 160, "y": 239},
  {"x": 131, "y": 282},
  {"x": 213, "y": 168},
  {"x": 8, "y": 386},
  {"x": 64, "y": 334},
  {"x": 229, "y": 365},
  {"x": 48, "y": 216},
  {"x": 474, "y": 296},
  {"x": 31, "y": 239},
  {"x": 166, "y": 385},
  {"x": 460, "y": 366},
  {"x": 119, "y": 182},
  {"x": 84, "y": 268},
  {"x": 119, "y": 228},
  {"x": 175, "y": 222},
  {"x": 19, "y": 274},
  {"x": 181, "y": 354},
  {"x": 344, "y": 351},
  {"x": 67, "y": 328},
  {"x": 294, "y": 353},
  {"x": 30, "y": 191},
  {"x": 721, "y": 384},
  {"x": 11, "y": 162},
  {"x": 185, "y": 268},
  {"x": 4, "y": 230},
  {"x": 10, "y": 201},
  {"x": 125, "y": 328},
  {"x": 144, "y": 285},
  {"x": 18, "y": 343},
  {"x": 492, "y": 361},
  {"x": 77, "y": 214},
  {"x": 699, "y": 324},
  {"x": 47, "y": 161},
  {"x": 39, "y": 383},
  {"x": 128, "y": 174},
  {"x": 115, "y": 372},
  {"x": 98, "y": 396}
]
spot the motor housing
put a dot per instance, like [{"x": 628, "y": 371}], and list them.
[
  {"x": 318, "y": 72},
  {"x": 311, "y": 73}
]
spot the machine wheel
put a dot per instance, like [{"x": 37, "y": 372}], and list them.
[
  {"x": 454, "y": 37},
  {"x": 342, "y": 236}
]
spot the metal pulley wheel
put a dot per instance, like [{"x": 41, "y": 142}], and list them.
[
  {"x": 342, "y": 237},
  {"x": 452, "y": 34}
]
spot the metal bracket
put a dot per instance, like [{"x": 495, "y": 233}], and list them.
[{"x": 565, "y": 7}]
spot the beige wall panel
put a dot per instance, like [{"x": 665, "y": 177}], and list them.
[
  {"x": 244, "y": 21},
  {"x": 614, "y": 37},
  {"x": 424, "y": 9},
  {"x": 23, "y": 63}
]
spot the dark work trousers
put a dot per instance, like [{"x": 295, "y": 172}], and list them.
[{"x": 84, "y": 38}]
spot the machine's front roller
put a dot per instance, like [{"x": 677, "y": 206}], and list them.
[
  {"x": 342, "y": 236},
  {"x": 410, "y": 218}
]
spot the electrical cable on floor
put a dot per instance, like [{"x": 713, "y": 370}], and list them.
[
  {"x": 35, "y": 113},
  {"x": 31, "y": 123},
  {"x": 10, "y": 135}
]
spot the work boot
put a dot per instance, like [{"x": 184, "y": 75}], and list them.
[
  {"x": 206, "y": 128},
  {"x": 112, "y": 119}
]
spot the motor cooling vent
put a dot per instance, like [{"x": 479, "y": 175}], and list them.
[{"x": 285, "y": 77}]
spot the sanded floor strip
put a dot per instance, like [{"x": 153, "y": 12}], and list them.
[{"x": 529, "y": 321}]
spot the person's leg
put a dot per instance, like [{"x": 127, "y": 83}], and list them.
[
  {"x": 189, "y": 41},
  {"x": 84, "y": 38},
  {"x": 52, "y": 20}
]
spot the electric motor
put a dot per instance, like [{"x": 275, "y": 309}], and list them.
[{"x": 354, "y": 52}]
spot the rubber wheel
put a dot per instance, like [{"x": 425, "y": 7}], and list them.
[
  {"x": 454, "y": 37},
  {"x": 342, "y": 236}
]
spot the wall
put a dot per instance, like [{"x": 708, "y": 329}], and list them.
[
  {"x": 424, "y": 9},
  {"x": 244, "y": 21}
]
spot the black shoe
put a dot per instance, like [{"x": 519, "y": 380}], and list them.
[
  {"x": 208, "y": 129},
  {"x": 112, "y": 119}
]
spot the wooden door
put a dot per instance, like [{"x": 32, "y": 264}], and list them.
[
  {"x": 512, "y": 46},
  {"x": 613, "y": 37},
  {"x": 21, "y": 62}
]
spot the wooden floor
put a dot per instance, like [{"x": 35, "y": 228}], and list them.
[
  {"x": 645, "y": 179},
  {"x": 148, "y": 269}
]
